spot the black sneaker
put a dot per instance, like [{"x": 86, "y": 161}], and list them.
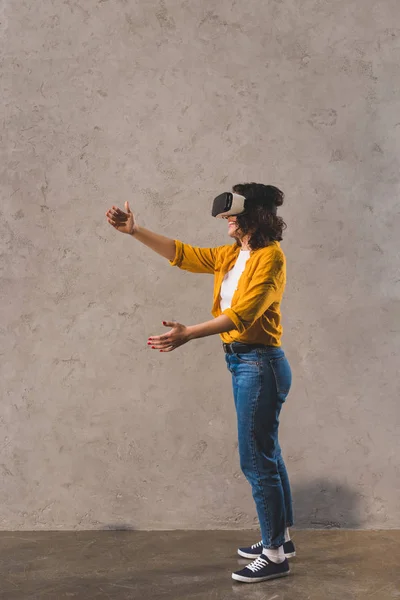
[
  {"x": 262, "y": 569},
  {"x": 256, "y": 549}
]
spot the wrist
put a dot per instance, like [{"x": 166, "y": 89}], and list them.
[
  {"x": 135, "y": 231},
  {"x": 191, "y": 333}
]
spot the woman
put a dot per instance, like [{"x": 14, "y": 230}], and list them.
[{"x": 249, "y": 281}]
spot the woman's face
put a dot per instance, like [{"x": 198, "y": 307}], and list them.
[
  {"x": 233, "y": 230},
  {"x": 236, "y": 233}
]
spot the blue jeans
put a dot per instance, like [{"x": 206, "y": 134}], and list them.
[{"x": 261, "y": 382}]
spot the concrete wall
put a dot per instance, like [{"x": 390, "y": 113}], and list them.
[{"x": 167, "y": 103}]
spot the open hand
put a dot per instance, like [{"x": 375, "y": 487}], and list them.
[
  {"x": 177, "y": 336},
  {"x": 121, "y": 221}
]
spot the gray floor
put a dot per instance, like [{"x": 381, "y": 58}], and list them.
[{"x": 330, "y": 565}]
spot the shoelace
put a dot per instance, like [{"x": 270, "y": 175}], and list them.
[
  {"x": 258, "y": 564},
  {"x": 258, "y": 545}
]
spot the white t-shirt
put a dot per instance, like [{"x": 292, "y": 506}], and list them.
[{"x": 231, "y": 279}]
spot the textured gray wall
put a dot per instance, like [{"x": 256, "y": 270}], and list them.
[{"x": 166, "y": 104}]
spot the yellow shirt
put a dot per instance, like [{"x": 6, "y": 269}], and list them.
[{"x": 255, "y": 307}]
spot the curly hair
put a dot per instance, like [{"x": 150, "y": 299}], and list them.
[{"x": 260, "y": 220}]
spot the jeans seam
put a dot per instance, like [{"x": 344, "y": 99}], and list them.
[{"x": 254, "y": 453}]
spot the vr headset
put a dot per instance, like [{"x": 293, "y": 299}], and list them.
[{"x": 228, "y": 204}]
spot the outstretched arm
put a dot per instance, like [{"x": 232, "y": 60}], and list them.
[
  {"x": 180, "y": 334},
  {"x": 159, "y": 243},
  {"x": 184, "y": 256},
  {"x": 125, "y": 222}
]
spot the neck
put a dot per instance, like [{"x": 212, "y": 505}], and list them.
[{"x": 245, "y": 243}]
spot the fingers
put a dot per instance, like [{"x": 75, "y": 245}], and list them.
[
  {"x": 166, "y": 337},
  {"x": 115, "y": 225},
  {"x": 159, "y": 343},
  {"x": 168, "y": 341},
  {"x": 116, "y": 217},
  {"x": 116, "y": 213},
  {"x": 164, "y": 343},
  {"x": 165, "y": 348}
]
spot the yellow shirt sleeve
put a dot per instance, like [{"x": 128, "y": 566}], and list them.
[
  {"x": 194, "y": 259},
  {"x": 263, "y": 289}
]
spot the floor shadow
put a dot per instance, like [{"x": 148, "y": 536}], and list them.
[{"x": 325, "y": 504}]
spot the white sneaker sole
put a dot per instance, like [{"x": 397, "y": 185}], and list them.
[
  {"x": 245, "y": 555},
  {"x": 244, "y": 579}
]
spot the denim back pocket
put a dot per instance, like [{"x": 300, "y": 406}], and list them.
[{"x": 282, "y": 374}]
